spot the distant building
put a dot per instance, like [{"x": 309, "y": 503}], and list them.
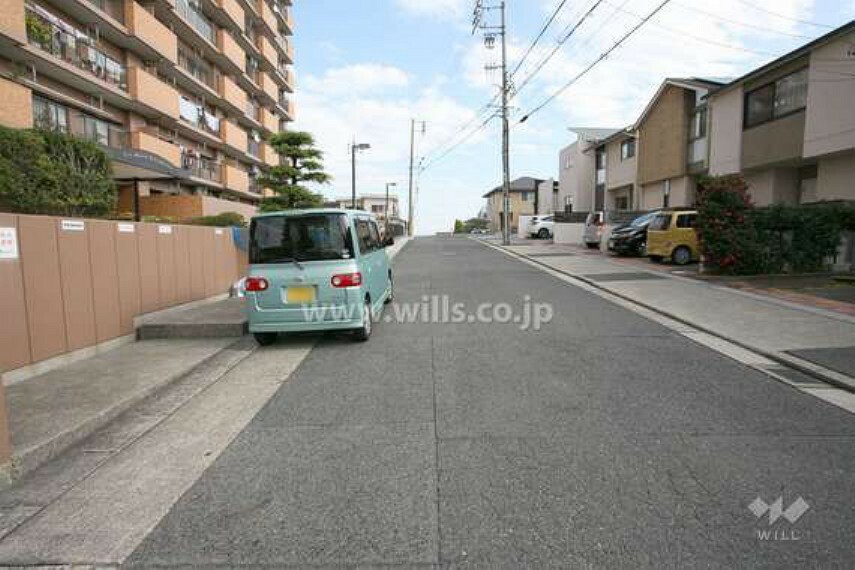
[
  {"x": 376, "y": 204},
  {"x": 523, "y": 202},
  {"x": 577, "y": 171}
]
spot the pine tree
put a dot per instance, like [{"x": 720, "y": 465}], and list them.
[{"x": 302, "y": 163}]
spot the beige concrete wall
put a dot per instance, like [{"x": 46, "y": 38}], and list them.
[
  {"x": 16, "y": 110},
  {"x": 682, "y": 194},
  {"x": 73, "y": 289},
  {"x": 230, "y": 48},
  {"x": 830, "y": 122},
  {"x": 778, "y": 141},
  {"x": 836, "y": 178},
  {"x": 726, "y": 132},
  {"x": 663, "y": 136},
  {"x": 773, "y": 186},
  {"x": 620, "y": 172},
  {"x": 576, "y": 176}
]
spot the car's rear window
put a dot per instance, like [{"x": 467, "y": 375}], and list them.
[
  {"x": 660, "y": 222},
  {"x": 313, "y": 237}
]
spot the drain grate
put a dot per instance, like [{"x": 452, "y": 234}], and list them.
[{"x": 639, "y": 276}]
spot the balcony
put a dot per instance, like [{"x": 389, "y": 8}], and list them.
[
  {"x": 230, "y": 48},
  {"x": 233, "y": 10},
  {"x": 113, "y": 8},
  {"x": 697, "y": 154},
  {"x": 233, "y": 94},
  {"x": 253, "y": 147},
  {"x": 235, "y": 178},
  {"x": 284, "y": 14},
  {"x": 51, "y": 35},
  {"x": 285, "y": 46},
  {"x": 253, "y": 110},
  {"x": 269, "y": 155},
  {"x": 287, "y": 75},
  {"x": 12, "y": 22},
  {"x": 265, "y": 81},
  {"x": 202, "y": 167},
  {"x": 197, "y": 20},
  {"x": 269, "y": 120},
  {"x": 142, "y": 140},
  {"x": 197, "y": 67},
  {"x": 287, "y": 105},
  {"x": 198, "y": 116},
  {"x": 267, "y": 15},
  {"x": 233, "y": 136},
  {"x": 152, "y": 92},
  {"x": 151, "y": 32},
  {"x": 268, "y": 52},
  {"x": 255, "y": 186}
]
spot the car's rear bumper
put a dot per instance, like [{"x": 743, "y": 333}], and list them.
[{"x": 305, "y": 319}]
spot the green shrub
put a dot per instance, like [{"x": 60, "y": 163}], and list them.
[
  {"x": 56, "y": 174},
  {"x": 741, "y": 239},
  {"x": 224, "y": 220}
]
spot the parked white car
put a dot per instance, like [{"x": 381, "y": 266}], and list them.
[{"x": 542, "y": 227}]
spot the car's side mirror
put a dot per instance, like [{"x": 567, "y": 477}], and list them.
[{"x": 390, "y": 241}]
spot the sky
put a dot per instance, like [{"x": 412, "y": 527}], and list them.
[{"x": 365, "y": 68}]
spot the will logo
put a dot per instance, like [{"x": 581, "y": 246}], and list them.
[{"x": 776, "y": 510}]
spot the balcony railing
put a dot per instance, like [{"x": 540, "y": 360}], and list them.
[
  {"x": 253, "y": 147},
  {"x": 63, "y": 41},
  {"x": 198, "y": 68},
  {"x": 114, "y": 8},
  {"x": 197, "y": 19},
  {"x": 198, "y": 116},
  {"x": 254, "y": 186},
  {"x": 201, "y": 167}
]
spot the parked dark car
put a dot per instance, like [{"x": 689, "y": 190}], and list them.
[{"x": 631, "y": 239}]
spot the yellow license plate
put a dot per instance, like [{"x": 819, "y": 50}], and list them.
[{"x": 300, "y": 294}]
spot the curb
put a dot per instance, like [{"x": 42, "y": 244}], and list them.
[
  {"x": 28, "y": 460},
  {"x": 826, "y": 375}
]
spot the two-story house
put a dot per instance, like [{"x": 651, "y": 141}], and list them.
[
  {"x": 523, "y": 198},
  {"x": 620, "y": 152},
  {"x": 581, "y": 168},
  {"x": 789, "y": 126}
]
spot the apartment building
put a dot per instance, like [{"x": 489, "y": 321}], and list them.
[
  {"x": 523, "y": 202},
  {"x": 672, "y": 143},
  {"x": 582, "y": 171},
  {"x": 182, "y": 94},
  {"x": 789, "y": 126}
]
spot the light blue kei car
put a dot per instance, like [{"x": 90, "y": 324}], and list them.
[{"x": 316, "y": 270}]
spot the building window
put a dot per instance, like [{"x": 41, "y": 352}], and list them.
[
  {"x": 627, "y": 149},
  {"x": 49, "y": 115},
  {"x": 699, "y": 124},
  {"x": 775, "y": 100},
  {"x": 96, "y": 130},
  {"x": 525, "y": 196},
  {"x": 622, "y": 203}
]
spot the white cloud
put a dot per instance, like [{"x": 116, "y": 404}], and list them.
[
  {"x": 361, "y": 78},
  {"x": 439, "y": 9}
]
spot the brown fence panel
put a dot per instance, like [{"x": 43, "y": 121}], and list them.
[
  {"x": 210, "y": 257},
  {"x": 182, "y": 263},
  {"x": 149, "y": 268},
  {"x": 105, "y": 277},
  {"x": 129, "y": 279},
  {"x": 76, "y": 279},
  {"x": 197, "y": 262},
  {"x": 45, "y": 313},
  {"x": 14, "y": 332},
  {"x": 166, "y": 265}
]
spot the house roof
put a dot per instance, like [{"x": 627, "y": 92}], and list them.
[
  {"x": 521, "y": 184},
  {"x": 593, "y": 134},
  {"x": 788, "y": 57},
  {"x": 628, "y": 132},
  {"x": 693, "y": 83}
]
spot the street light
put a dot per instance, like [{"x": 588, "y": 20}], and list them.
[
  {"x": 386, "y": 208},
  {"x": 353, "y": 148}
]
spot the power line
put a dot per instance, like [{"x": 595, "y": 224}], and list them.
[
  {"x": 604, "y": 55},
  {"x": 539, "y": 36},
  {"x": 450, "y": 149},
  {"x": 558, "y": 45},
  {"x": 785, "y": 17},
  {"x": 743, "y": 24}
]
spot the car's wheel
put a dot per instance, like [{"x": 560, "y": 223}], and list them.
[
  {"x": 682, "y": 255},
  {"x": 363, "y": 333},
  {"x": 265, "y": 338},
  {"x": 391, "y": 296},
  {"x": 543, "y": 233},
  {"x": 592, "y": 245}
]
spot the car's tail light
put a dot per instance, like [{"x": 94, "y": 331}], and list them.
[
  {"x": 256, "y": 284},
  {"x": 347, "y": 280}
]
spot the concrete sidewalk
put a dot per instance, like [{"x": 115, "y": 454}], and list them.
[{"x": 809, "y": 338}]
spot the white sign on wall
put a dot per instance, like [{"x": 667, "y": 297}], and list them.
[
  {"x": 126, "y": 228},
  {"x": 218, "y": 232},
  {"x": 8, "y": 243},
  {"x": 73, "y": 225},
  {"x": 164, "y": 230}
]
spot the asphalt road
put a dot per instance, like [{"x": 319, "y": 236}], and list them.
[{"x": 603, "y": 440}]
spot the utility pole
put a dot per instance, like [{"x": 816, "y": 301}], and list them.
[
  {"x": 410, "y": 211},
  {"x": 490, "y": 33}
]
